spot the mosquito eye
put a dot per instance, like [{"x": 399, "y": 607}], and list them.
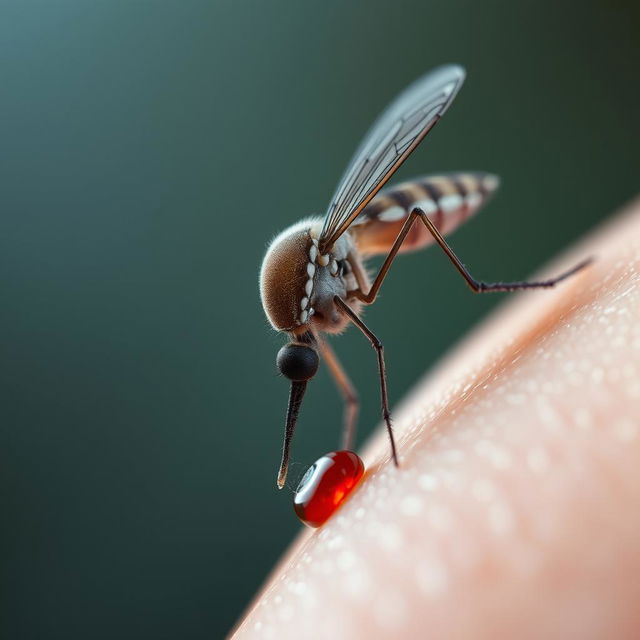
[{"x": 297, "y": 362}]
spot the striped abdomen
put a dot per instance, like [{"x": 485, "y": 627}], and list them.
[{"x": 447, "y": 199}]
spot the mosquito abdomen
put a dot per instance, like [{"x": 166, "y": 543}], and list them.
[{"x": 448, "y": 200}]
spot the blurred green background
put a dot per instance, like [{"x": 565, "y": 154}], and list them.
[{"x": 149, "y": 150}]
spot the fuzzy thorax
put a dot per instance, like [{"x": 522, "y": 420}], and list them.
[{"x": 298, "y": 283}]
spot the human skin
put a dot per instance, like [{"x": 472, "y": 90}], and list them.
[{"x": 516, "y": 509}]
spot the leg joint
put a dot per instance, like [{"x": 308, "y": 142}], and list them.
[{"x": 351, "y": 397}]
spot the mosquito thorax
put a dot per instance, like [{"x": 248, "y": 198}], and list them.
[{"x": 298, "y": 283}]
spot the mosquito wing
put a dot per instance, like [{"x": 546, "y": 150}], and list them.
[{"x": 393, "y": 136}]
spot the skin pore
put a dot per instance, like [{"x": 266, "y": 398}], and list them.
[{"x": 515, "y": 513}]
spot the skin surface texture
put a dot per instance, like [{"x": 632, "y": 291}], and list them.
[{"x": 515, "y": 511}]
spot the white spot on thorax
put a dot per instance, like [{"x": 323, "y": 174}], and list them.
[{"x": 308, "y": 287}]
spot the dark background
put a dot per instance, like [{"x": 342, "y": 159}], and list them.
[{"x": 148, "y": 151}]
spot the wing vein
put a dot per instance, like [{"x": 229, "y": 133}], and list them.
[{"x": 393, "y": 136}]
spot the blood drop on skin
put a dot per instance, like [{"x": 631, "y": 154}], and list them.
[{"x": 326, "y": 485}]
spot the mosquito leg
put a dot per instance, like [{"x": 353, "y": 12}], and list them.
[
  {"x": 370, "y": 297},
  {"x": 484, "y": 287},
  {"x": 351, "y": 402},
  {"x": 344, "y": 308}
]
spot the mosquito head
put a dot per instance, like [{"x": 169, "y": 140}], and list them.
[
  {"x": 298, "y": 283},
  {"x": 298, "y": 362}
]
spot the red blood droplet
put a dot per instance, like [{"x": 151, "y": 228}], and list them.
[{"x": 326, "y": 485}]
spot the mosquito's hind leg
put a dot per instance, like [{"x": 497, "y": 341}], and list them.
[
  {"x": 370, "y": 296},
  {"x": 348, "y": 392},
  {"x": 484, "y": 287}
]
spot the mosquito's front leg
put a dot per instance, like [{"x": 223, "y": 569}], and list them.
[
  {"x": 351, "y": 402},
  {"x": 485, "y": 287},
  {"x": 377, "y": 345}
]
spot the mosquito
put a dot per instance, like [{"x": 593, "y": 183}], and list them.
[{"x": 313, "y": 279}]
